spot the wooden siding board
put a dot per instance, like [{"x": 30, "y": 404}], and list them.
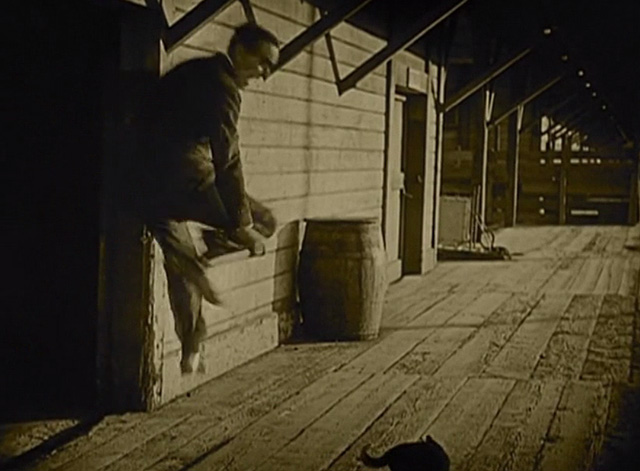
[
  {"x": 281, "y": 160},
  {"x": 262, "y": 106},
  {"x": 291, "y": 185}
]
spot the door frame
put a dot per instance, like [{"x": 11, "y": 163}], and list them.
[{"x": 413, "y": 85}]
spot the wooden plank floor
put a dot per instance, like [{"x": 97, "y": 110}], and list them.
[{"x": 520, "y": 365}]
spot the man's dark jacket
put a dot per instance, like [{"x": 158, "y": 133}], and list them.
[{"x": 188, "y": 146}]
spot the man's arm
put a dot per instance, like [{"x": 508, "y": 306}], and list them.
[
  {"x": 229, "y": 178},
  {"x": 225, "y": 150}
]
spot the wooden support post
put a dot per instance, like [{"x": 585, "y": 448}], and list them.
[
  {"x": 632, "y": 217},
  {"x": 127, "y": 341},
  {"x": 437, "y": 94},
  {"x": 513, "y": 164},
  {"x": 564, "y": 178},
  {"x": 400, "y": 41},
  {"x": 481, "y": 155}
]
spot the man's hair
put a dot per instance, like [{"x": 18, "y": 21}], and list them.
[{"x": 250, "y": 35}]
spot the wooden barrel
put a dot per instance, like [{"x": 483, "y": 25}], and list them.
[{"x": 342, "y": 279}]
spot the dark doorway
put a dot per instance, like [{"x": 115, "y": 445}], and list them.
[{"x": 59, "y": 57}]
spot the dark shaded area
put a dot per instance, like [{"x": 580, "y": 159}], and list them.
[
  {"x": 600, "y": 36},
  {"x": 51, "y": 184},
  {"x": 621, "y": 447}
]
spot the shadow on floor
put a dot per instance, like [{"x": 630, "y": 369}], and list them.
[{"x": 621, "y": 448}]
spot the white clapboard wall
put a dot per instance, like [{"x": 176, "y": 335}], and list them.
[{"x": 307, "y": 152}]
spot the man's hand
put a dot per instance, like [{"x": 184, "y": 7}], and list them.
[{"x": 249, "y": 238}]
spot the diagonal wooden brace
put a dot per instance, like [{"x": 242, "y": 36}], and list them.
[
  {"x": 321, "y": 27},
  {"x": 192, "y": 22},
  {"x": 401, "y": 41}
]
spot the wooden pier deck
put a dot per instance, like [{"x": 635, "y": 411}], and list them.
[{"x": 515, "y": 365}]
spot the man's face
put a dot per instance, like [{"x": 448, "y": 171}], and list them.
[{"x": 254, "y": 64}]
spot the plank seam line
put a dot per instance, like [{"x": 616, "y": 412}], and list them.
[
  {"x": 528, "y": 312},
  {"x": 485, "y": 323},
  {"x": 127, "y": 428},
  {"x": 323, "y": 414},
  {"x": 600, "y": 298},
  {"x": 326, "y": 356},
  {"x": 433, "y": 331},
  {"x": 213, "y": 449},
  {"x": 546, "y": 438},
  {"x": 428, "y": 307},
  {"x": 454, "y": 393},
  {"x": 372, "y": 423},
  {"x": 493, "y": 420},
  {"x": 309, "y": 123},
  {"x": 178, "y": 421}
]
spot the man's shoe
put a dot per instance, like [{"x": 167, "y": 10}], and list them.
[{"x": 190, "y": 362}]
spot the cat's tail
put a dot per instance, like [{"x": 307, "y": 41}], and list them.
[{"x": 372, "y": 461}]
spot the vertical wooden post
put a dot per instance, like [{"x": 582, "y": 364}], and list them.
[
  {"x": 632, "y": 217},
  {"x": 480, "y": 163},
  {"x": 565, "y": 155},
  {"x": 390, "y": 88},
  {"x": 126, "y": 331},
  {"x": 513, "y": 164}
]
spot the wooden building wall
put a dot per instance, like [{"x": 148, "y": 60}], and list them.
[{"x": 307, "y": 152}]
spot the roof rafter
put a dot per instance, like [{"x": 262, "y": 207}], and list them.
[
  {"x": 192, "y": 22},
  {"x": 491, "y": 74},
  {"x": 400, "y": 41},
  {"x": 527, "y": 99},
  {"x": 321, "y": 27}
]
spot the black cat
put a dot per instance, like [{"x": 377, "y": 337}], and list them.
[{"x": 423, "y": 455}]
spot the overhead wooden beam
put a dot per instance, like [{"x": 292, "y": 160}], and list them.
[
  {"x": 558, "y": 106},
  {"x": 528, "y": 99},
  {"x": 321, "y": 27},
  {"x": 562, "y": 121},
  {"x": 400, "y": 41},
  {"x": 192, "y": 22},
  {"x": 491, "y": 74},
  {"x": 575, "y": 117},
  {"x": 527, "y": 124}
]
